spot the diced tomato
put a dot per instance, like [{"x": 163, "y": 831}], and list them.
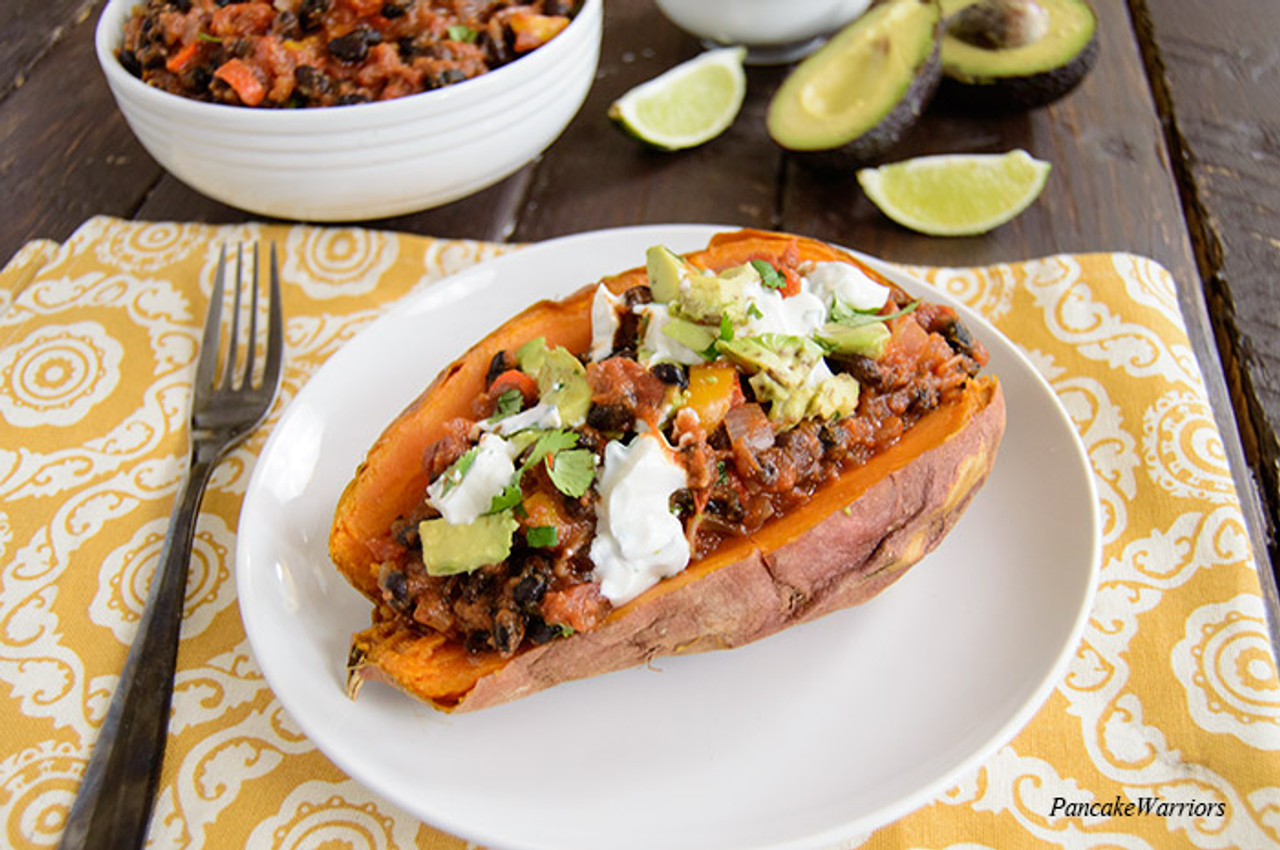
[
  {"x": 243, "y": 81},
  {"x": 242, "y": 19},
  {"x": 514, "y": 379},
  {"x": 178, "y": 62},
  {"x": 363, "y": 8},
  {"x": 580, "y": 607}
]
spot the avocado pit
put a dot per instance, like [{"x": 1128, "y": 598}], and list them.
[{"x": 1015, "y": 54}]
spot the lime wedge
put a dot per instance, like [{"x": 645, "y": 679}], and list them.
[
  {"x": 690, "y": 104},
  {"x": 956, "y": 194}
]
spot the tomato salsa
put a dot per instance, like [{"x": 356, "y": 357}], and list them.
[{"x": 303, "y": 53}]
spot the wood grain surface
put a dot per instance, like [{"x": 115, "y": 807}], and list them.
[
  {"x": 1217, "y": 79},
  {"x": 1195, "y": 79}
]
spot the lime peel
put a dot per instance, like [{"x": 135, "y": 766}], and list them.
[
  {"x": 956, "y": 194},
  {"x": 687, "y": 105}
]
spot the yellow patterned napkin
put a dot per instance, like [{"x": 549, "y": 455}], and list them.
[{"x": 1172, "y": 702}]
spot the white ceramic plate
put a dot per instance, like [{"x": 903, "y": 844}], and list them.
[{"x": 812, "y": 736}]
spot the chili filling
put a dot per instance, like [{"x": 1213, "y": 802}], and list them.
[
  {"x": 301, "y": 53},
  {"x": 745, "y": 450}
]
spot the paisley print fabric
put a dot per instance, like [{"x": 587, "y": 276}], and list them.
[{"x": 1165, "y": 731}]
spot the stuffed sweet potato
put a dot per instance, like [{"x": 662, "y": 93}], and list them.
[{"x": 691, "y": 455}]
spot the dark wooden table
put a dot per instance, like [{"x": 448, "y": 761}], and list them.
[{"x": 1168, "y": 149}]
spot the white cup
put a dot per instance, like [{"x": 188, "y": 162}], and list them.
[{"x": 773, "y": 31}]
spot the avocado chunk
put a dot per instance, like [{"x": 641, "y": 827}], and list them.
[
  {"x": 707, "y": 297},
  {"x": 562, "y": 379},
  {"x": 851, "y": 101},
  {"x": 1015, "y": 54},
  {"x": 787, "y": 360},
  {"x": 450, "y": 549},
  {"x": 690, "y": 334},
  {"x": 867, "y": 340},
  {"x": 666, "y": 269}
]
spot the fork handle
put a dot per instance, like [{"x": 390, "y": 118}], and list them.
[{"x": 113, "y": 807}]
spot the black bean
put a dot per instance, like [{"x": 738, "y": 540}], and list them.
[
  {"x": 537, "y": 630},
  {"x": 396, "y": 8},
  {"x": 311, "y": 13},
  {"x": 610, "y": 417},
  {"x": 508, "y": 631},
  {"x": 672, "y": 374},
  {"x": 958, "y": 337},
  {"x": 500, "y": 362},
  {"x": 637, "y": 295},
  {"x": 351, "y": 99},
  {"x": 201, "y": 78},
  {"x": 496, "y": 51},
  {"x": 530, "y": 589},
  {"x": 311, "y": 83},
  {"x": 447, "y": 77},
  {"x": 477, "y": 642},
  {"x": 395, "y": 588},
  {"x": 866, "y": 370},
  {"x": 287, "y": 25},
  {"x": 354, "y": 46},
  {"x": 129, "y": 60},
  {"x": 728, "y": 508}
]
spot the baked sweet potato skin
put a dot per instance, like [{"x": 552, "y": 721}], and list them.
[
  {"x": 851, "y": 541},
  {"x": 840, "y": 550}
]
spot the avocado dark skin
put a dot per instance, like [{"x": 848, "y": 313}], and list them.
[
  {"x": 895, "y": 48},
  {"x": 969, "y": 87}
]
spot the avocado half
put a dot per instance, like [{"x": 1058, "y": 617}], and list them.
[
  {"x": 851, "y": 101},
  {"x": 1015, "y": 54}
]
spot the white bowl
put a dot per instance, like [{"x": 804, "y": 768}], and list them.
[
  {"x": 774, "y": 31},
  {"x": 370, "y": 160}
]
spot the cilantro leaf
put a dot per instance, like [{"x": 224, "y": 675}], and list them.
[
  {"x": 542, "y": 536},
  {"x": 509, "y": 403},
  {"x": 508, "y": 497},
  {"x": 726, "y": 326},
  {"x": 770, "y": 277},
  {"x": 856, "y": 318},
  {"x": 572, "y": 471},
  {"x": 453, "y": 475},
  {"x": 548, "y": 443}
]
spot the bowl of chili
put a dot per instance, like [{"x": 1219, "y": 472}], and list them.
[{"x": 343, "y": 110}]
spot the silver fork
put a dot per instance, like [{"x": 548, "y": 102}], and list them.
[{"x": 113, "y": 807}]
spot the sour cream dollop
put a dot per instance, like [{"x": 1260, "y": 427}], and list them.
[
  {"x": 795, "y": 315},
  {"x": 847, "y": 283},
  {"x": 604, "y": 322},
  {"x": 463, "y": 501},
  {"x": 638, "y": 540}
]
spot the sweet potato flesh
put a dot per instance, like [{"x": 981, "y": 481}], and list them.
[{"x": 443, "y": 672}]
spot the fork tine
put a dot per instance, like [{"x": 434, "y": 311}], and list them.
[
  {"x": 233, "y": 341},
  {"x": 252, "y": 341},
  {"x": 205, "y": 371},
  {"x": 275, "y": 330}
]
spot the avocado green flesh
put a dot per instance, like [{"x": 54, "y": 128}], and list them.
[
  {"x": 1072, "y": 26},
  {"x": 858, "y": 80},
  {"x": 450, "y": 549}
]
